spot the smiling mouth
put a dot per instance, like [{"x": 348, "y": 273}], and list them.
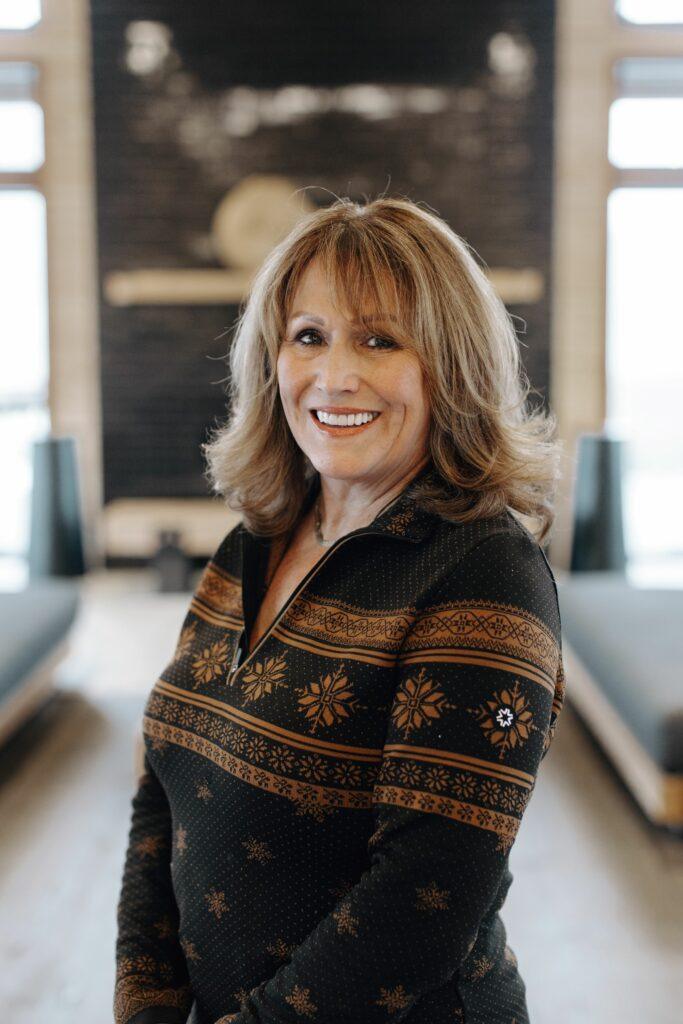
[{"x": 346, "y": 427}]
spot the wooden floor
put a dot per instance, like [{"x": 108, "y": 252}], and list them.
[{"x": 595, "y": 913}]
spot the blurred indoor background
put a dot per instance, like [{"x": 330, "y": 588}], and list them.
[{"x": 151, "y": 154}]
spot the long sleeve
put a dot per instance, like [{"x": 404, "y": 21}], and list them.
[
  {"x": 478, "y": 691},
  {"x": 152, "y": 984}
]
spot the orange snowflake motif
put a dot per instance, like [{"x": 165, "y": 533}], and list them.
[
  {"x": 203, "y": 791},
  {"x": 506, "y": 720},
  {"x": 149, "y": 846},
  {"x": 418, "y": 702},
  {"x": 394, "y": 998},
  {"x": 399, "y": 522},
  {"x": 431, "y": 898},
  {"x": 216, "y": 902},
  {"x": 329, "y": 700},
  {"x": 264, "y": 675},
  {"x": 210, "y": 664},
  {"x": 482, "y": 966},
  {"x": 185, "y": 641},
  {"x": 257, "y": 850},
  {"x": 181, "y": 839},
  {"x": 189, "y": 950},
  {"x": 299, "y": 1000},
  {"x": 280, "y": 949},
  {"x": 345, "y": 920}
]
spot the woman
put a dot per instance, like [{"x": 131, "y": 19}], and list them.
[{"x": 339, "y": 753}]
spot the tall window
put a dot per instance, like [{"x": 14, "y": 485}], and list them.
[
  {"x": 645, "y": 295},
  {"x": 24, "y": 413}
]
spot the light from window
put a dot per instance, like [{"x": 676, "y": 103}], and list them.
[
  {"x": 19, "y": 13},
  {"x": 21, "y": 117},
  {"x": 24, "y": 360},
  {"x": 23, "y": 295},
  {"x": 645, "y": 365},
  {"x": 646, "y": 132},
  {"x": 19, "y": 428},
  {"x": 651, "y": 12},
  {"x": 21, "y": 135}
]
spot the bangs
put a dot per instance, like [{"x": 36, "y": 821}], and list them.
[{"x": 367, "y": 283}]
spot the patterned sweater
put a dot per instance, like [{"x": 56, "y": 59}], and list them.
[{"x": 323, "y": 828}]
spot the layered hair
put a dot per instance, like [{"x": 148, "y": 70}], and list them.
[{"x": 490, "y": 450}]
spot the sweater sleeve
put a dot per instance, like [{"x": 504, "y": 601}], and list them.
[
  {"x": 152, "y": 984},
  {"x": 479, "y": 688}
]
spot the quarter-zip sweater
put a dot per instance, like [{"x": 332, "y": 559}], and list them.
[{"x": 323, "y": 828}]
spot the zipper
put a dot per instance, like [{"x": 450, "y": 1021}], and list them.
[{"x": 234, "y": 667}]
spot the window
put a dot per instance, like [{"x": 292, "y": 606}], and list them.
[
  {"x": 19, "y": 14},
  {"x": 24, "y": 358},
  {"x": 21, "y": 118},
  {"x": 651, "y": 12},
  {"x": 644, "y": 312}
]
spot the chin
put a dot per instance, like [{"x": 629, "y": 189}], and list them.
[{"x": 342, "y": 469}]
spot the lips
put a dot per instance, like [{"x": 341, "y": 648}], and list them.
[{"x": 327, "y": 428}]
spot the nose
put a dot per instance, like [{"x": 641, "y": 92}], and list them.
[{"x": 338, "y": 367}]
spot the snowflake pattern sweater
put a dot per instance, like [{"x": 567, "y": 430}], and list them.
[{"x": 323, "y": 828}]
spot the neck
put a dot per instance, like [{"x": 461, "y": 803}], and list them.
[{"x": 344, "y": 506}]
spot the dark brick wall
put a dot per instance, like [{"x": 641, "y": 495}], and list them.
[{"x": 172, "y": 140}]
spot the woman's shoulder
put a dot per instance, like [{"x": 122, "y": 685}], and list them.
[
  {"x": 227, "y": 553},
  {"x": 497, "y": 561}
]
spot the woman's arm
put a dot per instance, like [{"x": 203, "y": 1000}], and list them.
[
  {"x": 478, "y": 693},
  {"x": 152, "y": 984}
]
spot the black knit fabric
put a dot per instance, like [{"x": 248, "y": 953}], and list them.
[{"x": 323, "y": 830}]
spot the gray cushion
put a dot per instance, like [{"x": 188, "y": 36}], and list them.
[
  {"x": 32, "y": 622},
  {"x": 631, "y": 641}
]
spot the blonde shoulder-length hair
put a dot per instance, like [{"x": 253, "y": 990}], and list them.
[{"x": 489, "y": 450}]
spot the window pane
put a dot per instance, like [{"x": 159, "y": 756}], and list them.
[
  {"x": 21, "y": 136},
  {"x": 24, "y": 356},
  {"x": 651, "y": 12},
  {"x": 645, "y": 362},
  {"x": 19, "y": 13},
  {"x": 18, "y": 431},
  {"x": 21, "y": 118},
  {"x": 646, "y": 132},
  {"x": 649, "y": 76}
]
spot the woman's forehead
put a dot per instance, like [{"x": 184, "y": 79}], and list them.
[{"x": 359, "y": 300}]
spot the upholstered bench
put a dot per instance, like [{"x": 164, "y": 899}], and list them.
[
  {"x": 623, "y": 656},
  {"x": 34, "y": 628}
]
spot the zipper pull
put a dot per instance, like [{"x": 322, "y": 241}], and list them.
[{"x": 236, "y": 655}]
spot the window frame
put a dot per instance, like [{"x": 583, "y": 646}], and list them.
[
  {"x": 591, "y": 36},
  {"x": 59, "y": 45}
]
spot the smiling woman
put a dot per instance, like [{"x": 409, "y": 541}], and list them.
[
  {"x": 379, "y": 307},
  {"x": 356, "y": 403},
  {"x": 339, "y": 753}
]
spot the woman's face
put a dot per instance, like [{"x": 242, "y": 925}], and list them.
[{"x": 328, "y": 365}]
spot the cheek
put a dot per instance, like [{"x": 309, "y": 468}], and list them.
[
  {"x": 287, "y": 377},
  {"x": 406, "y": 387}
]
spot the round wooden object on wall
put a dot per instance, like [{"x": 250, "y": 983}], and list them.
[{"x": 254, "y": 216}]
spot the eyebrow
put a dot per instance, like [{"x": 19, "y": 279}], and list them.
[{"x": 316, "y": 319}]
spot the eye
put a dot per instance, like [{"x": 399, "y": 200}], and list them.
[
  {"x": 302, "y": 334},
  {"x": 384, "y": 342}
]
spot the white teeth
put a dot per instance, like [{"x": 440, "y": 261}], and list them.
[{"x": 343, "y": 420}]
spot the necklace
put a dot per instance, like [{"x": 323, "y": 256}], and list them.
[{"x": 318, "y": 527}]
